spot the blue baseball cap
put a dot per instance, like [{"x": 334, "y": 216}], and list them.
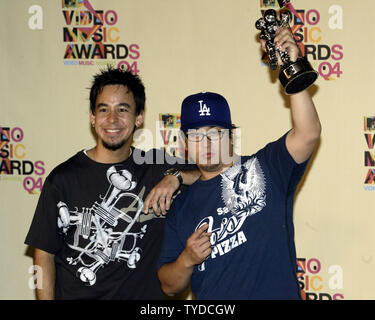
[{"x": 205, "y": 109}]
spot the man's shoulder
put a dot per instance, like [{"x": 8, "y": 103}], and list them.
[
  {"x": 181, "y": 199},
  {"x": 69, "y": 165},
  {"x": 276, "y": 143}
]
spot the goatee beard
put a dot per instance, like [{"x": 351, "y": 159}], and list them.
[
  {"x": 114, "y": 146},
  {"x": 211, "y": 167}
]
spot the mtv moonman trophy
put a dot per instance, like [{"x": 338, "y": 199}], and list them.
[{"x": 294, "y": 76}]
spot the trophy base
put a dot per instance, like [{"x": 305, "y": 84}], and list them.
[{"x": 297, "y": 76}]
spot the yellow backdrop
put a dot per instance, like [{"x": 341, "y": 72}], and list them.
[{"x": 180, "y": 47}]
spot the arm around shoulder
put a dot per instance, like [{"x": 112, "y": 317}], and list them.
[{"x": 160, "y": 197}]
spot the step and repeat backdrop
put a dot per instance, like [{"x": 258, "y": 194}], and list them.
[{"x": 51, "y": 49}]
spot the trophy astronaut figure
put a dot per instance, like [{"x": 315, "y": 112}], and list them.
[{"x": 294, "y": 76}]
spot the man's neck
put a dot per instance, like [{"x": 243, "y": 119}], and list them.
[{"x": 102, "y": 155}]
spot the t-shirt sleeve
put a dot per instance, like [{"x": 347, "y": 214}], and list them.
[
  {"x": 285, "y": 171},
  {"x": 43, "y": 233},
  {"x": 172, "y": 242}
]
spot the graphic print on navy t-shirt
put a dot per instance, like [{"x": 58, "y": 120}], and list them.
[
  {"x": 103, "y": 232},
  {"x": 243, "y": 193}
]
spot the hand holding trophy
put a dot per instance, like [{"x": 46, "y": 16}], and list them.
[{"x": 295, "y": 76}]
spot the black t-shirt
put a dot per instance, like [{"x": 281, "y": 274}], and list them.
[{"x": 90, "y": 216}]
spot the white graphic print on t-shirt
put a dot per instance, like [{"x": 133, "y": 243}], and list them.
[
  {"x": 243, "y": 192},
  {"x": 103, "y": 232}
]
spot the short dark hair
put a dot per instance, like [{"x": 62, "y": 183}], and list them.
[{"x": 112, "y": 76}]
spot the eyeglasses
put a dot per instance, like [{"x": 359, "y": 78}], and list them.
[{"x": 212, "y": 135}]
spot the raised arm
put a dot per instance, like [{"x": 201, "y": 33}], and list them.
[
  {"x": 305, "y": 133},
  {"x": 303, "y": 137}
]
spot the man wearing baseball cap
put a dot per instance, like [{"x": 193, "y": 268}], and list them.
[{"x": 231, "y": 233}]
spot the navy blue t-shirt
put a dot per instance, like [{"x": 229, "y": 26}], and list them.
[{"x": 249, "y": 211}]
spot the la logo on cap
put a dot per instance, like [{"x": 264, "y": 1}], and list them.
[{"x": 203, "y": 111}]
